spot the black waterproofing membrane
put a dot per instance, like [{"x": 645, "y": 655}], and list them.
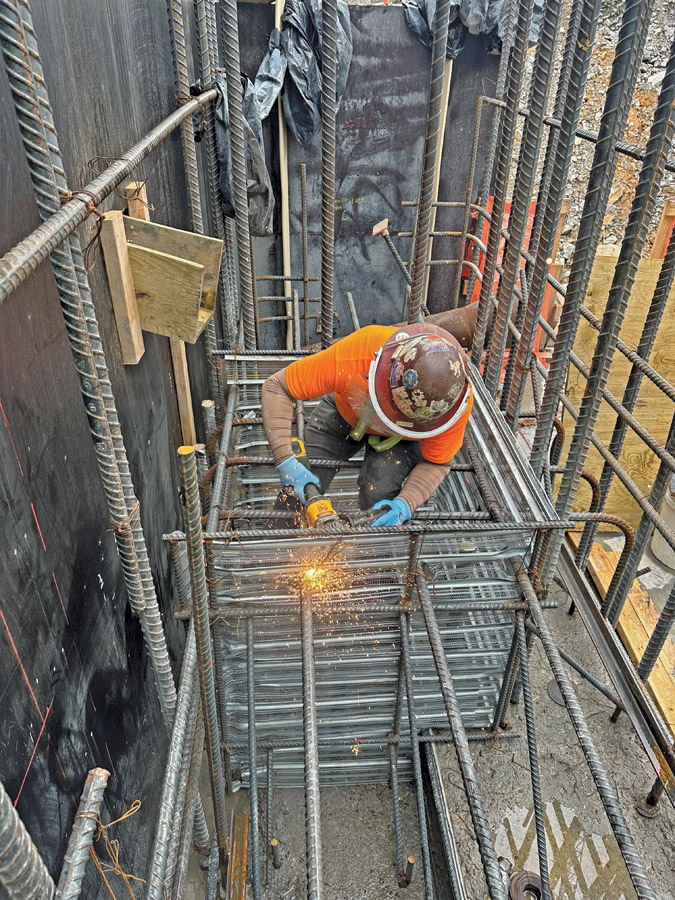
[{"x": 485, "y": 17}]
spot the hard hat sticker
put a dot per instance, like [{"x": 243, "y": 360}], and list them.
[{"x": 409, "y": 378}]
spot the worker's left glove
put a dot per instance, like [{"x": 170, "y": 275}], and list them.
[{"x": 394, "y": 512}]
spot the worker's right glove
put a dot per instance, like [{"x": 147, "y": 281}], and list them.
[{"x": 293, "y": 474}]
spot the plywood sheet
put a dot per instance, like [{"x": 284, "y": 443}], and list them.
[{"x": 652, "y": 409}]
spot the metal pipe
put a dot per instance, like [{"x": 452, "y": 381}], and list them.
[
  {"x": 629, "y": 49},
  {"x": 239, "y": 176},
  {"x": 311, "y": 748},
  {"x": 534, "y": 759},
  {"x": 352, "y": 311},
  {"x": 605, "y": 788},
  {"x": 431, "y": 160},
  {"x": 480, "y": 822},
  {"x": 167, "y": 803},
  {"x": 527, "y": 168},
  {"x": 23, "y": 874},
  {"x": 82, "y": 835},
  {"x": 193, "y": 530},
  {"x": 404, "y": 624},
  {"x": 329, "y": 22},
  {"x": 253, "y": 759}
]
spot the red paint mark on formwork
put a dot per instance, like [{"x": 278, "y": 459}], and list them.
[
  {"x": 30, "y": 763},
  {"x": 65, "y": 614},
  {"x": 112, "y": 764},
  {"x": 11, "y": 439},
  {"x": 44, "y": 546},
  {"x": 23, "y": 671}
]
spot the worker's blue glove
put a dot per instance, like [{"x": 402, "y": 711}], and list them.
[
  {"x": 395, "y": 512},
  {"x": 293, "y": 474}
]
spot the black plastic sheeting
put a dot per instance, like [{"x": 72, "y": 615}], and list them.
[
  {"x": 259, "y": 185},
  {"x": 484, "y": 17},
  {"x": 293, "y": 60}
]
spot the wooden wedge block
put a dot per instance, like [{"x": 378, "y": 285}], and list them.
[{"x": 121, "y": 284}]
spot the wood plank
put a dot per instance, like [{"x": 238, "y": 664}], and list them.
[
  {"x": 635, "y": 626},
  {"x": 650, "y": 409},
  {"x": 182, "y": 379},
  {"x": 664, "y": 230},
  {"x": 238, "y": 853},
  {"x": 139, "y": 208},
  {"x": 121, "y": 284},
  {"x": 168, "y": 292}
]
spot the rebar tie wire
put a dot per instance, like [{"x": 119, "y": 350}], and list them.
[{"x": 87, "y": 819}]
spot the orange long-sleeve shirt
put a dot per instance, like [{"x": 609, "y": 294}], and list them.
[{"x": 330, "y": 371}]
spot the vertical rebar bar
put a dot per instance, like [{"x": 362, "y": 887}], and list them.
[
  {"x": 508, "y": 682},
  {"x": 82, "y": 835},
  {"x": 480, "y": 822},
  {"x": 200, "y": 605},
  {"x": 630, "y": 45},
  {"x": 635, "y": 236},
  {"x": 404, "y": 624},
  {"x": 443, "y": 817},
  {"x": 524, "y": 184},
  {"x": 239, "y": 178},
  {"x": 618, "y": 590},
  {"x": 26, "y": 79},
  {"x": 253, "y": 760},
  {"x": 501, "y": 176},
  {"x": 535, "y": 773},
  {"x": 329, "y": 22},
  {"x": 167, "y": 804},
  {"x": 396, "y": 808},
  {"x": 632, "y": 389},
  {"x": 23, "y": 874},
  {"x": 658, "y": 637},
  {"x": 191, "y": 798},
  {"x": 430, "y": 160},
  {"x": 605, "y": 788},
  {"x": 305, "y": 271},
  {"x": 268, "y": 816},
  {"x": 311, "y": 746}
]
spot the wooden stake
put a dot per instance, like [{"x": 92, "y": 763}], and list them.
[
  {"x": 137, "y": 197},
  {"x": 121, "y": 283},
  {"x": 663, "y": 231}
]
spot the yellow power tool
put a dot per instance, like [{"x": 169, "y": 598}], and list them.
[{"x": 318, "y": 509}]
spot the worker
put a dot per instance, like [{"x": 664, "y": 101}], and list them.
[{"x": 402, "y": 391}]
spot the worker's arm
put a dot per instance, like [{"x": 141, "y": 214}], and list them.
[
  {"x": 422, "y": 482},
  {"x": 277, "y": 416}
]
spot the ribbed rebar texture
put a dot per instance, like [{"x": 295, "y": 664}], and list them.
[
  {"x": 23, "y": 874},
  {"x": 430, "y": 160},
  {"x": 481, "y": 825},
  {"x": 268, "y": 813},
  {"x": 626, "y": 62},
  {"x": 328, "y": 140},
  {"x": 167, "y": 811},
  {"x": 239, "y": 179},
  {"x": 605, "y": 788},
  {"x": 253, "y": 761},
  {"x": 311, "y": 744},
  {"x": 396, "y": 808},
  {"x": 524, "y": 184},
  {"x": 535, "y": 773},
  {"x": 41, "y": 144},
  {"x": 200, "y": 617},
  {"x": 571, "y": 86},
  {"x": 508, "y": 682},
  {"x": 82, "y": 835},
  {"x": 501, "y": 175},
  {"x": 635, "y": 236},
  {"x": 644, "y": 349},
  {"x": 191, "y": 798},
  {"x": 406, "y": 668},
  {"x": 658, "y": 637}
]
